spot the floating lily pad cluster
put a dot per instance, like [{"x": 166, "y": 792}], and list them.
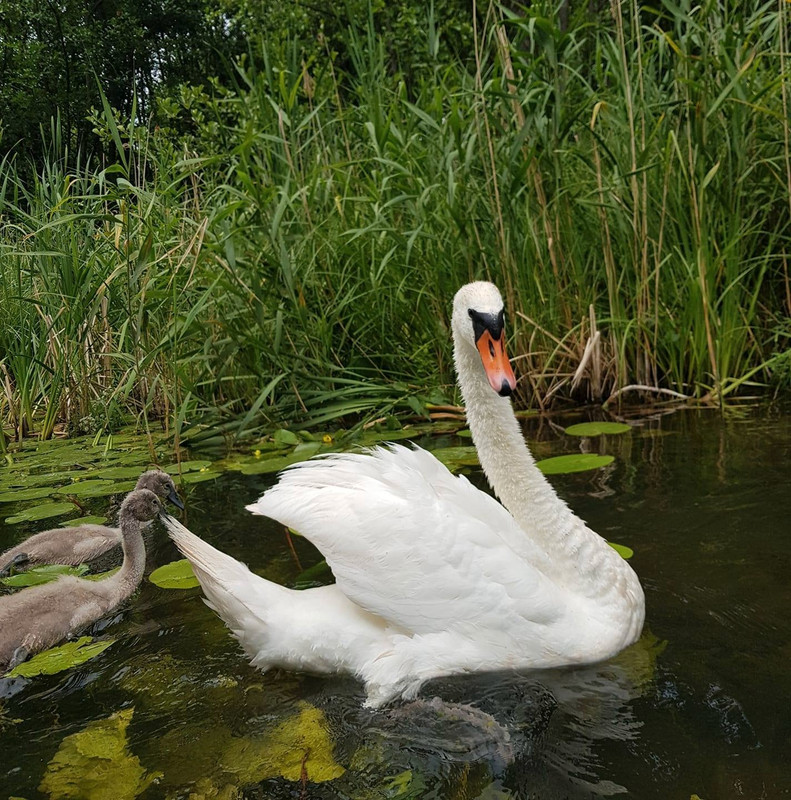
[{"x": 45, "y": 480}]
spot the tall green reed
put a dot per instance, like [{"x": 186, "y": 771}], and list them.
[{"x": 625, "y": 181}]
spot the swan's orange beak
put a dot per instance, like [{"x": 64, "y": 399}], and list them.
[{"x": 495, "y": 362}]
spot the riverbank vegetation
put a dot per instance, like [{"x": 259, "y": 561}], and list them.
[{"x": 280, "y": 243}]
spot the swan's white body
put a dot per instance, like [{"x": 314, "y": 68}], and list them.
[{"x": 433, "y": 576}]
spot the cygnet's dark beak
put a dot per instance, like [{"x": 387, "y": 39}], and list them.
[{"x": 175, "y": 499}]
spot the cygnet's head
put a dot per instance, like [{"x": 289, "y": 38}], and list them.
[
  {"x": 161, "y": 484},
  {"x": 479, "y": 321},
  {"x": 142, "y": 505}
]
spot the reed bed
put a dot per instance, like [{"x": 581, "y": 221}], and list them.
[{"x": 626, "y": 182}]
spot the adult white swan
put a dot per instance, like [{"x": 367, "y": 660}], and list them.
[{"x": 433, "y": 576}]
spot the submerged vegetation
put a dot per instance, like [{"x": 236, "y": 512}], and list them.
[{"x": 624, "y": 176}]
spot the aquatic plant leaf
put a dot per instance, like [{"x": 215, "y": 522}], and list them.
[
  {"x": 199, "y": 477},
  {"x": 302, "y": 741},
  {"x": 25, "y": 494},
  {"x": 317, "y": 575},
  {"x": 574, "y": 462},
  {"x": 267, "y": 465},
  {"x": 622, "y": 550},
  {"x": 597, "y": 428},
  {"x": 44, "y": 511},
  {"x": 100, "y": 576},
  {"x": 58, "y": 659},
  {"x": 49, "y": 479},
  {"x": 307, "y": 449},
  {"x": 381, "y": 437},
  {"x": 186, "y": 466},
  {"x": 88, "y": 488},
  {"x": 117, "y": 473},
  {"x": 454, "y": 458},
  {"x": 95, "y": 764},
  {"x": 43, "y": 574},
  {"x": 176, "y": 575},
  {"x": 89, "y": 520},
  {"x": 285, "y": 437}
]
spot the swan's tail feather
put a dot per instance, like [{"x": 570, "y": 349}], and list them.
[
  {"x": 239, "y": 597},
  {"x": 209, "y": 563}
]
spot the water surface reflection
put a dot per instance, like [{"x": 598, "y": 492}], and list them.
[{"x": 698, "y": 706}]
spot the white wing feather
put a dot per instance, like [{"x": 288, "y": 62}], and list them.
[{"x": 415, "y": 545}]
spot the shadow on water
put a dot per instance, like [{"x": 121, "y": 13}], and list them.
[{"x": 699, "y": 706}]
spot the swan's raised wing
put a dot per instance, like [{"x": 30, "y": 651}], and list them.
[{"x": 412, "y": 543}]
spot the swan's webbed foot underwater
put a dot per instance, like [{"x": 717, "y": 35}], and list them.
[{"x": 18, "y": 560}]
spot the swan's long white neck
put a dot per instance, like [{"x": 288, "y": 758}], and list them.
[
  {"x": 508, "y": 464},
  {"x": 571, "y": 552}
]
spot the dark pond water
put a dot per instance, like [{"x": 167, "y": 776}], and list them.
[{"x": 701, "y": 706}]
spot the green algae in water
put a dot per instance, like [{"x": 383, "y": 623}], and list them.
[
  {"x": 574, "y": 462},
  {"x": 301, "y": 745},
  {"x": 597, "y": 428},
  {"x": 96, "y": 764},
  {"x": 59, "y": 659},
  {"x": 176, "y": 575}
]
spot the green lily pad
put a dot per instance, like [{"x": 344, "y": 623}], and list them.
[
  {"x": 43, "y": 574},
  {"x": 118, "y": 473},
  {"x": 176, "y": 575},
  {"x": 199, "y": 477},
  {"x": 454, "y": 458},
  {"x": 574, "y": 462},
  {"x": 100, "y": 576},
  {"x": 89, "y": 488},
  {"x": 261, "y": 466},
  {"x": 597, "y": 428},
  {"x": 307, "y": 449},
  {"x": 285, "y": 437},
  {"x": 58, "y": 659},
  {"x": 44, "y": 511},
  {"x": 89, "y": 520},
  {"x": 317, "y": 575},
  {"x": 622, "y": 550},
  {"x": 374, "y": 437},
  {"x": 48, "y": 479},
  {"x": 25, "y": 494},
  {"x": 186, "y": 466}
]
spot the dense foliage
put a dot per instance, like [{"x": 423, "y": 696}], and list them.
[{"x": 284, "y": 242}]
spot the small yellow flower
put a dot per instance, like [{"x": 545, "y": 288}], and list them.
[
  {"x": 257, "y": 453},
  {"x": 327, "y": 439}
]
